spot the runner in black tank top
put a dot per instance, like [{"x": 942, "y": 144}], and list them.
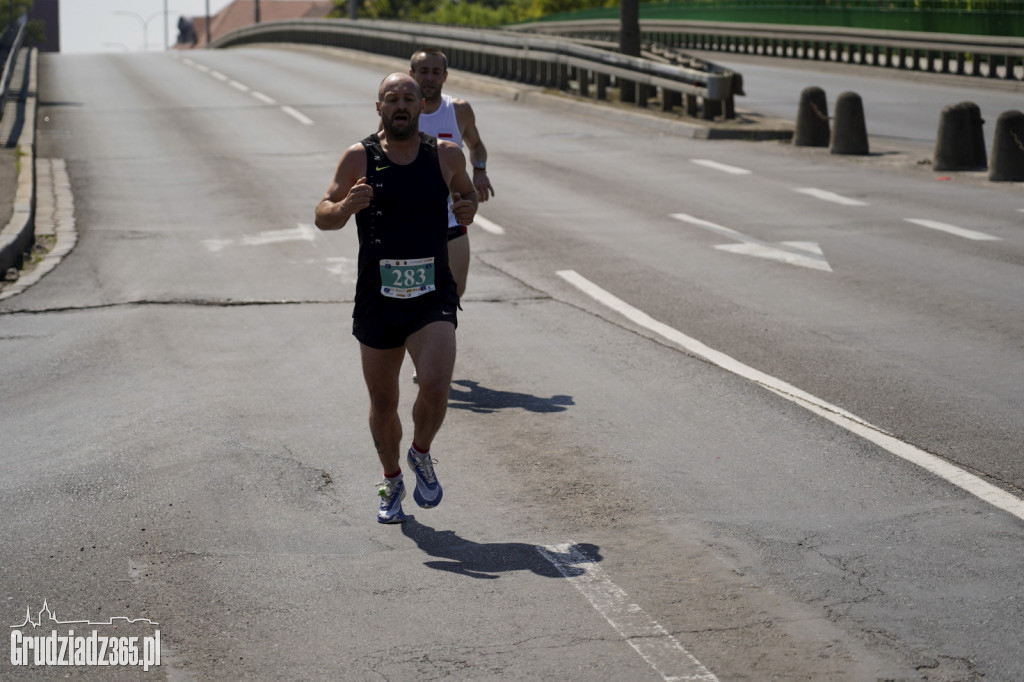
[
  {"x": 407, "y": 219},
  {"x": 405, "y": 294}
]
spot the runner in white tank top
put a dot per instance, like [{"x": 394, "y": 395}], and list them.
[
  {"x": 451, "y": 119},
  {"x": 444, "y": 125}
]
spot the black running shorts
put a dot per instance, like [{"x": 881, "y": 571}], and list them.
[
  {"x": 456, "y": 231},
  {"x": 377, "y": 331}
]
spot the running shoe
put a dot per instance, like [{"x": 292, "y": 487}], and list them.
[
  {"x": 428, "y": 490},
  {"x": 392, "y": 492}
]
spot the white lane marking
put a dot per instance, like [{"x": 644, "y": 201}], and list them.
[
  {"x": 804, "y": 254},
  {"x": 852, "y": 423},
  {"x": 239, "y": 86},
  {"x": 825, "y": 195},
  {"x": 733, "y": 170},
  {"x": 952, "y": 229},
  {"x": 266, "y": 99},
  {"x": 302, "y": 232},
  {"x": 218, "y": 75},
  {"x": 661, "y": 650},
  {"x": 487, "y": 225},
  {"x": 298, "y": 116},
  {"x": 215, "y": 245}
]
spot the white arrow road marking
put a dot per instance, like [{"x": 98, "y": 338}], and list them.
[
  {"x": 952, "y": 229},
  {"x": 830, "y": 196},
  {"x": 964, "y": 480},
  {"x": 302, "y": 232},
  {"x": 732, "y": 170},
  {"x": 661, "y": 650},
  {"x": 342, "y": 266},
  {"x": 804, "y": 254},
  {"x": 487, "y": 225},
  {"x": 216, "y": 245}
]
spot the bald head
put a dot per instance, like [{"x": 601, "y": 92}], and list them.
[{"x": 398, "y": 82}]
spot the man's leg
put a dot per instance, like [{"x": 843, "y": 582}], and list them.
[
  {"x": 458, "y": 261},
  {"x": 432, "y": 350},
  {"x": 380, "y": 370}
]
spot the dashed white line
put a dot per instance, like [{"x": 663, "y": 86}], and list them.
[
  {"x": 825, "y": 195},
  {"x": 266, "y": 99},
  {"x": 733, "y": 170},
  {"x": 219, "y": 76},
  {"x": 661, "y": 650},
  {"x": 298, "y": 116},
  {"x": 487, "y": 225},
  {"x": 939, "y": 467},
  {"x": 239, "y": 86},
  {"x": 952, "y": 229}
]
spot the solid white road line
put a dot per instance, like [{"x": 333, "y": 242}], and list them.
[
  {"x": 733, "y": 170},
  {"x": 661, "y": 650},
  {"x": 301, "y": 118},
  {"x": 952, "y": 229},
  {"x": 852, "y": 423},
  {"x": 825, "y": 195},
  {"x": 487, "y": 225}
]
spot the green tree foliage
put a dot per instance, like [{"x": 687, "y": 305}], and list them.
[
  {"x": 35, "y": 31},
  {"x": 466, "y": 12}
]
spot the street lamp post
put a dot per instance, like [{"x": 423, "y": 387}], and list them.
[{"x": 145, "y": 24}]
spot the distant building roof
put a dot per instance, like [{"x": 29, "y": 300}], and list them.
[{"x": 241, "y": 13}]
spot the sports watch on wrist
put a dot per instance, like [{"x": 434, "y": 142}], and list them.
[{"x": 480, "y": 165}]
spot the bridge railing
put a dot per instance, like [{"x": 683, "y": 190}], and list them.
[
  {"x": 950, "y": 53},
  {"x": 565, "y": 64},
  {"x": 10, "y": 43}
]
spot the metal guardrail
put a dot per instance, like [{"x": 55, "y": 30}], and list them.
[
  {"x": 562, "y": 63},
  {"x": 949, "y": 53},
  {"x": 10, "y": 44}
]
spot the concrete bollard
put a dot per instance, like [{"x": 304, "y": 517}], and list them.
[
  {"x": 960, "y": 143},
  {"x": 812, "y": 129},
  {"x": 850, "y": 133},
  {"x": 1008, "y": 148}
]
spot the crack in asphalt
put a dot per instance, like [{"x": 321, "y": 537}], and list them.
[{"x": 194, "y": 302}]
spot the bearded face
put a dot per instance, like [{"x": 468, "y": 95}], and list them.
[{"x": 399, "y": 106}]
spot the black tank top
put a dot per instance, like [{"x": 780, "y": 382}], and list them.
[{"x": 407, "y": 219}]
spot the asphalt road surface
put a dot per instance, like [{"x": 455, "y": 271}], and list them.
[{"x": 722, "y": 410}]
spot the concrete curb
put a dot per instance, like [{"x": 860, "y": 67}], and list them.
[{"x": 17, "y": 237}]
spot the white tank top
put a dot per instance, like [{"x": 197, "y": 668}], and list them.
[{"x": 443, "y": 125}]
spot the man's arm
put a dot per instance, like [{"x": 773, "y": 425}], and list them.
[
  {"x": 348, "y": 193},
  {"x": 466, "y": 119},
  {"x": 453, "y": 167}
]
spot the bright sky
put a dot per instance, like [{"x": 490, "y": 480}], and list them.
[{"x": 117, "y": 25}]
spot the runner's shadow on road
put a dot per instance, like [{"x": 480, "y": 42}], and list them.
[
  {"x": 486, "y": 560},
  {"x": 477, "y": 398}
]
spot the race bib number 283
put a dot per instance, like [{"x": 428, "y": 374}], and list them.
[{"x": 407, "y": 278}]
